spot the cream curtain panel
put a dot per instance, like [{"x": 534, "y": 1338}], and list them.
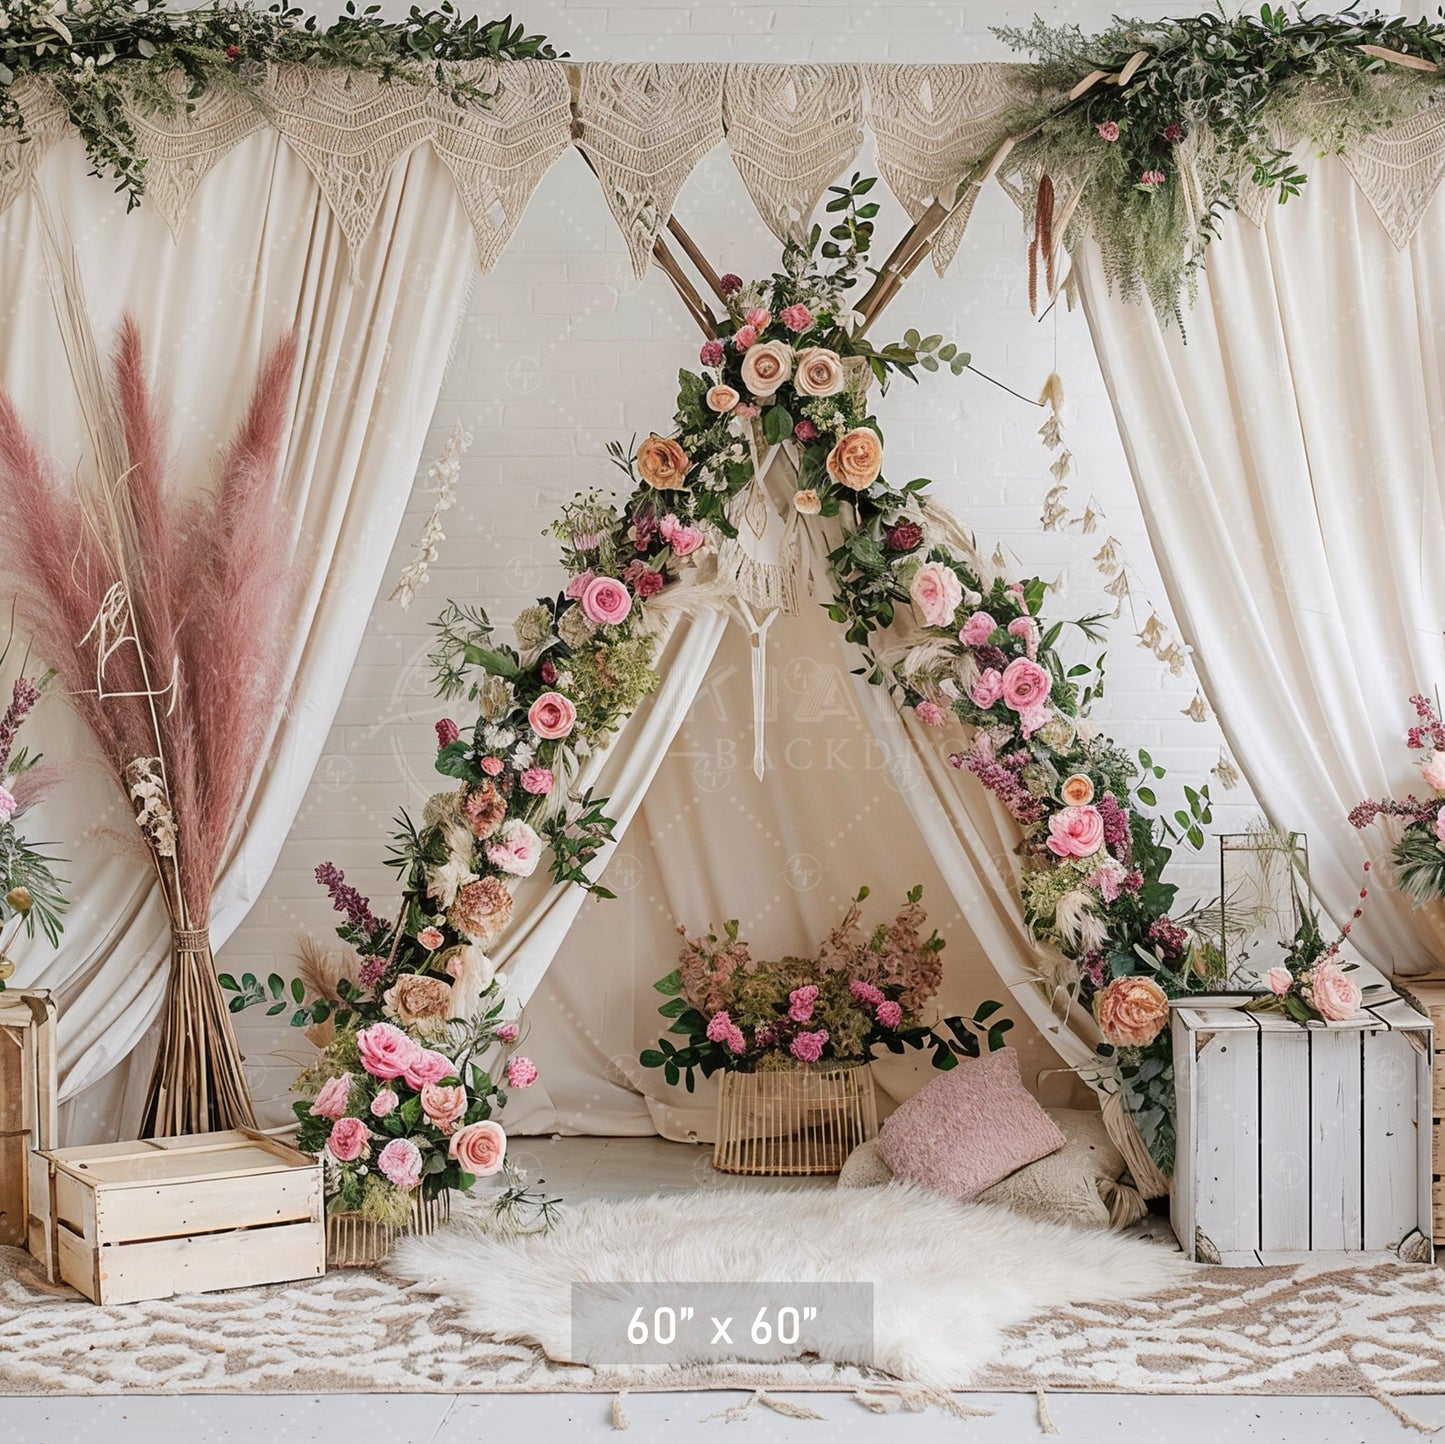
[
  {"x": 1289, "y": 458},
  {"x": 259, "y": 251}
]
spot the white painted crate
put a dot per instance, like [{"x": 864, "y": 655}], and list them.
[
  {"x": 1299, "y": 1139},
  {"x": 27, "y": 1099},
  {"x": 146, "y": 1220}
]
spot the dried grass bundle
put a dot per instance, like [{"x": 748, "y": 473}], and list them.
[{"x": 165, "y": 614}]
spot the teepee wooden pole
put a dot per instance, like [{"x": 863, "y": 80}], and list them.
[{"x": 699, "y": 261}]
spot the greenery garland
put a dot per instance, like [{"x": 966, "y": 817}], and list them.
[
  {"x": 1223, "y": 89},
  {"x": 101, "y": 55}
]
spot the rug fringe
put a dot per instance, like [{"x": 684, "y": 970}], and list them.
[
  {"x": 914, "y": 1399},
  {"x": 1046, "y": 1419},
  {"x": 786, "y": 1409},
  {"x": 736, "y": 1413},
  {"x": 619, "y": 1411},
  {"x": 1402, "y": 1414}
]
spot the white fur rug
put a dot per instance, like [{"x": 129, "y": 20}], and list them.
[{"x": 948, "y": 1278}]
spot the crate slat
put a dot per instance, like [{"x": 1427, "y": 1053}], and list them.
[
  {"x": 1284, "y": 1143},
  {"x": 1336, "y": 1115}
]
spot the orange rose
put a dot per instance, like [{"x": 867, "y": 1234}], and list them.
[
  {"x": 1132, "y": 1012},
  {"x": 722, "y": 398},
  {"x": 766, "y": 366},
  {"x": 662, "y": 463},
  {"x": 444, "y": 1104},
  {"x": 820, "y": 372},
  {"x": 856, "y": 460},
  {"x": 1077, "y": 790}
]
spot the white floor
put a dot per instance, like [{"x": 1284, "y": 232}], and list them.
[{"x": 577, "y": 1167}]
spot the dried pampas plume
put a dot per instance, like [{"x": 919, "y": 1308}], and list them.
[{"x": 322, "y": 969}]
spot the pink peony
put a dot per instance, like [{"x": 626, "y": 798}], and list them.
[
  {"x": 865, "y": 992},
  {"x": 745, "y": 337},
  {"x": 1434, "y": 771},
  {"x": 987, "y": 688},
  {"x": 1279, "y": 980},
  {"x": 711, "y": 353},
  {"x": 796, "y": 318},
  {"x": 930, "y": 714},
  {"x": 385, "y": 1051},
  {"x": 606, "y": 601},
  {"x": 936, "y": 593},
  {"x": 1333, "y": 993},
  {"x": 480, "y": 1148},
  {"x": 400, "y": 1161},
  {"x": 429, "y": 1066},
  {"x": 759, "y": 318},
  {"x": 508, "y": 1032},
  {"x": 521, "y": 1072},
  {"x": 444, "y": 1105},
  {"x": 805, "y": 430},
  {"x": 1076, "y": 832},
  {"x": 552, "y": 715},
  {"x": 331, "y": 1100},
  {"x": 492, "y": 766},
  {"x": 348, "y": 1139},
  {"x": 808, "y": 1047},
  {"x": 578, "y": 584},
  {"x": 801, "y": 1002},
  {"x": 977, "y": 630},
  {"x": 431, "y": 938},
  {"x": 682, "y": 537},
  {"x": 889, "y": 1013},
  {"x": 537, "y": 781},
  {"x": 1108, "y": 130},
  {"x": 447, "y": 732},
  {"x": 384, "y": 1103}
]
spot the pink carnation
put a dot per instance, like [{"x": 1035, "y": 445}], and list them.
[
  {"x": 537, "y": 781},
  {"x": 348, "y": 1139},
  {"x": 808, "y": 1047},
  {"x": 745, "y": 337},
  {"x": 759, "y": 318},
  {"x": 521, "y": 1073},
  {"x": 711, "y": 353},
  {"x": 796, "y": 318},
  {"x": 801, "y": 1002},
  {"x": 889, "y": 1013},
  {"x": 400, "y": 1161},
  {"x": 865, "y": 992},
  {"x": 508, "y": 1032},
  {"x": 930, "y": 714},
  {"x": 1108, "y": 130}
]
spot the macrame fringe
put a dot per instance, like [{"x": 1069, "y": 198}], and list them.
[
  {"x": 771, "y": 587},
  {"x": 1409, "y": 1420},
  {"x": 1046, "y": 1419}
]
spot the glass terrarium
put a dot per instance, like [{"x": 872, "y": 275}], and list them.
[{"x": 1264, "y": 885}]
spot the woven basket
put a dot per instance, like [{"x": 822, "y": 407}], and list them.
[
  {"x": 354, "y": 1242},
  {"x": 794, "y": 1121}
]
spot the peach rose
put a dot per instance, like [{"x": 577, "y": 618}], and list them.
[
  {"x": 857, "y": 459},
  {"x": 820, "y": 372},
  {"x": 807, "y": 501},
  {"x": 1132, "y": 1012},
  {"x": 766, "y": 366},
  {"x": 1077, "y": 790},
  {"x": 662, "y": 463},
  {"x": 480, "y": 1148},
  {"x": 722, "y": 398},
  {"x": 444, "y": 1104},
  {"x": 1333, "y": 993},
  {"x": 414, "y": 998}
]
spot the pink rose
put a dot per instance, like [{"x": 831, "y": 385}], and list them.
[
  {"x": 331, "y": 1100},
  {"x": 429, "y": 1067},
  {"x": 1434, "y": 771},
  {"x": 348, "y": 1139},
  {"x": 936, "y": 593},
  {"x": 479, "y": 1148},
  {"x": 606, "y": 601},
  {"x": 444, "y": 1105},
  {"x": 797, "y": 317},
  {"x": 977, "y": 630},
  {"x": 552, "y": 715},
  {"x": 805, "y": 430},
  {"x": 1108, "y": 130},
  {"x": 521, "y": 1073},
  {"x": 431, "y": 938},
  {"x": 1333, "y": 993},
  {"x": 385, "y": 1051},
  {"x": 537, "y": 781},
  {"x": 400, "y": 1161},
  {"x": 889, "y": 1013},
  {"x": 808, "y": 1047},
  {"x": 1440, "y": 825},
  {"x": 1076, "y": 832},
  {"x": 579, "y": 584},
  {"x": 930, "y": 714},
  {"x": 711, "y": 353},
  {"x": 682, "y": 537},
  {"x": 1025, "y": 685},
  {"x": 516, "y": 850},
  {"x": 746, "y": 336},
  {"x": 759, "y": 318},
  {"x": 492, "y": 766},
  {"x": 1279, "y": 980},
  {"x": 508, "y": 1032},
  {"x": 988, "y": 687},
  {"x": 384, "y": 1103}
]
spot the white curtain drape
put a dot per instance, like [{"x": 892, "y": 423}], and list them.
[
  {"x": 1289, "y": 457},
  {"x": 260, "y": 252}
]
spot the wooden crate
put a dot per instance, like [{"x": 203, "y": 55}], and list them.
[
  {"x": 27, "y": 1100},
  {"x": 167, "y": 1216},
  {"x": 1297, "y": 1140},
  {"x": 1429, "y": 997}
]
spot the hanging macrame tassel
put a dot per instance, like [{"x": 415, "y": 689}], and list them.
[{"x": 758, "y": 633}]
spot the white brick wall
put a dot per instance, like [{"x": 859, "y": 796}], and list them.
[{"x": 561, "y": 351}]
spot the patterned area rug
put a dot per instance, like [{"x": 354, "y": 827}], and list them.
[{"x": 1307, "y": 1330}]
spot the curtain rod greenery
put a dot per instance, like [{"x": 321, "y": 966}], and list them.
[
  {"x": 1118, "y": 112},
  {"x": 99, "y": 54}
]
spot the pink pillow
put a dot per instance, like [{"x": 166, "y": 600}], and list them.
[{"x": 969, "y": 1128}]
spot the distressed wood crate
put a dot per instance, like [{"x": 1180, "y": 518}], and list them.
[
  {"x": 167, "y": 1216},
  {"x": 1298, "y": 1139},
  {"x": 27, "y": 1100},
  {"x": 1429, "y": 997}
]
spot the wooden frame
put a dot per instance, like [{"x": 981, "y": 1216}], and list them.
[{"x": 28, "y": 1110}]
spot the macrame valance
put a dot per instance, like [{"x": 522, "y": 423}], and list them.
[{"x": 643, "y": 128}]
